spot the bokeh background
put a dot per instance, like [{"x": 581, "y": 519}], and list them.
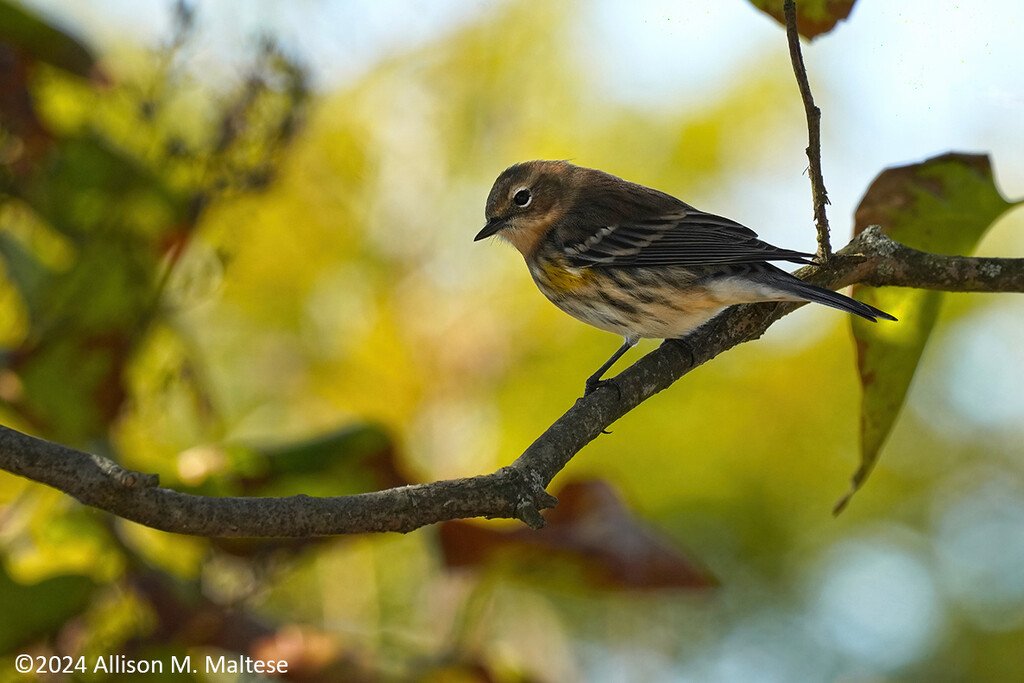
[{"x": 237, "y": 251}]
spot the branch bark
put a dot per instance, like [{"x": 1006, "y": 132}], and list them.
[{"x": 516, "y": 491}]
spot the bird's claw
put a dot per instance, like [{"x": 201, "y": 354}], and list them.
[{"x": 593, "y": 384}]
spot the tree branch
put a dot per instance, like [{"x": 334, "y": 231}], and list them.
[
  {"x": 516, "y": 491},
  {"x": 820, "y": 196},
  {"x": 101, "y": 483}
]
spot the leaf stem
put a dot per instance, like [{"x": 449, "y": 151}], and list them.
[{"x": 813, "y": 133}]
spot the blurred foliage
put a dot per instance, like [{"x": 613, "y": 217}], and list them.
[
  {"x": 111, "y": 221},
  {"x": 590, "y": 527},
  {"x": 252, "y": 289}
]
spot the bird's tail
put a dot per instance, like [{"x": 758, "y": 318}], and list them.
[{"x": 819, "y": 295}]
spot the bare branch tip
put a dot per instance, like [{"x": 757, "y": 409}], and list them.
[{"x": 528, "y": 514}]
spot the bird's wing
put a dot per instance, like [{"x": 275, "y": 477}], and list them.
[{"x": 682, "y": 237}]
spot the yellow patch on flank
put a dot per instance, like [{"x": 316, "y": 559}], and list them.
[{"x": 562, "y": 278}]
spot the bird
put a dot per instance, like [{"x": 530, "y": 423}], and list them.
[{"x": 635, "y": 261}]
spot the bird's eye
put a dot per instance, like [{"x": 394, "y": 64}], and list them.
[{"x": 522, "y": 198}]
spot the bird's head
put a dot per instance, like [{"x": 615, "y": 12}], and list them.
[{"x": 526, "y": 200}]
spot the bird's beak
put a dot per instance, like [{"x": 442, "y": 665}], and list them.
[{"x": 493, "y": 226}]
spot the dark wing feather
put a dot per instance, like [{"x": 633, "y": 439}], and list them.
[{"x": 680, "y": 237}]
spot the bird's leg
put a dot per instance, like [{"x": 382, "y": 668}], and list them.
[{"x": 594, "y": 382}]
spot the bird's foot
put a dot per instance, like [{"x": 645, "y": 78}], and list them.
[{"x": 595, "y": 383}]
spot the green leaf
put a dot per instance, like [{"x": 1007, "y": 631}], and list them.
[
  {"x": 36, "y": 611},
  {"x": 813, "y": 17},
  {"x": 88, "y": 189},
  {"x": 352, "y": 459},
  {"x": 43, "y": 42},
  {"x": 943, "y": 205},
  {"x": 24, "y": 270}
]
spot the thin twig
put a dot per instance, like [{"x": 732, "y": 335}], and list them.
[{"x": 813, "y": 134}]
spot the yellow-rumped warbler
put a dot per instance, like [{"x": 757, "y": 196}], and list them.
[{"x": 635, "y": 261}]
